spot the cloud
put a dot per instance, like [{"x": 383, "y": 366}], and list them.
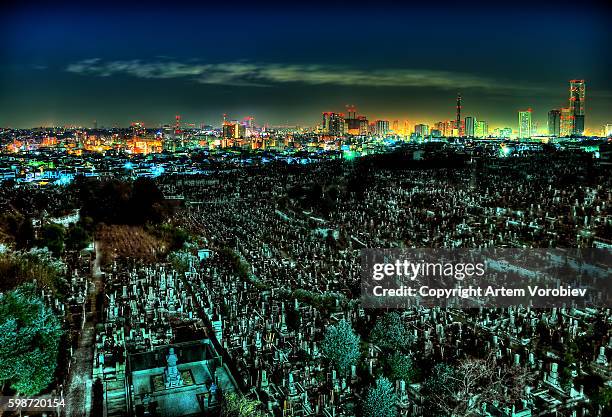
[{"x": 270, "y": 74}]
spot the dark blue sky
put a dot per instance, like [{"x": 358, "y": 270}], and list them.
[{"x": 116, "y": 64}]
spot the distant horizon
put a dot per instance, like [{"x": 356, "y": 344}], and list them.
[{"x": 73, "y": 64}]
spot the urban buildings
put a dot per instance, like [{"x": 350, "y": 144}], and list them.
[
  {"x": 421, "y": 130},
  {"x": 608, "y": 130},
  {"x": 470, "y": 123},
  {"x": 482, "y": 129},
  {"x": 458, "y": 126},
  {"x": 577, "y": 96},
  {"x": 333, "y": 124},
  {"x": 524, "y": 124},
  {"x": 566, "y": 122},
  {"x": 554, "y": 122},
  {"x": 381, "y": 127}
]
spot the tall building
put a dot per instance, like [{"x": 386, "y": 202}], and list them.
[
  {"x": 608, "y": 130},
  {"x": 554, "y": 122},
  {"x": 381, "y": 128},
  {"x": 505, "y": 132},
  {"x": 441, "y": 126},
  {"x": 577, "y": 92},
  {"x": 470, "y": 123},
  {"x": 566, "y": 122},
  {"x": 333, "y": 124},
  {"x": 406, "y": 128},
  {"x": 458, "y": 119},
  {"x": 524, "y": 124},
  {"x": 233, "y": 130},
  {"x": 355, "y": 125},
  {"x": 481, "y": 130},
  {"x": 421, "y": 130}
]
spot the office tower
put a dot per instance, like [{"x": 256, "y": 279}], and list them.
[
  {"x": 333, "y": 124},
  {"x": 577, "y": 91},
  {"x": 554, "y": 122},
  {"x": 363, "y": 125},
  {"x": 421, "y": 130},
  {"x": 469, "y": 126},
  {"x": 566, "y": 122},
  {"x": 233, "y": 130},
  {"x": 353, "y": 124},
  {"x": 381, "y": 128},
  {"x": 325, "y": 122},
  {"x": 406, "y": 128},
  {"x": 608, "y": 130},
  {"x": 481, "y": 130},
  {"x": 395, "y": 127},
  {"x": 441, "y": 126},
  {"x": 524, "y": 124},
  {"x": 458, "y": 119},
  {"x": 505, "y": 132}
]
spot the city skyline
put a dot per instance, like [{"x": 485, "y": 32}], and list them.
[{"x": 74, "y": 66}]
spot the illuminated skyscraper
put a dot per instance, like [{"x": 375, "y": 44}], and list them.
[
  {"x": 577, "y": 91},
  {"x": 441, "y": 126},
  {"x": 407, "y": 128},
  {"x": 608, "y": 130},
  {"x": 481, "y": 130},
  {"x": 506, "y": 132},
  {"x": 524, "y": 124},
  {"x": 458, "y": 119},
  {"x": 353, "y": 123},
  {"x": 421, "y": 130},
  {"x": 566, "y": 122},
  {"x": 333, "y": 124},
  {"x": 554, "y": 122},
  {"x": 470, "y": 123},
  {"x": 382, "y": 127},
  {"x": 233, "y": 130}
]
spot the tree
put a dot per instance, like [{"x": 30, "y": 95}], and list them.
[
  {"x": 181, "y": 260},
  {"x": 29, "y": 341},
  {"x": 380, "y": 401},
  {"x": 390, "y": 332},
  {"x": 77, "y": 238},
  {"x": 17, "y": 268},
  {"x": 53, "y": 236},
  {"x": 401, "y": 367},
  {"x": 236, "y": 405},
  {"x": 341, "y": 345},
  {"x": 24, "y": 235},
  {"x": 462, "y": 390}
]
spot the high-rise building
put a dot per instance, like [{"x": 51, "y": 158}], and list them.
[
  {"x": 566, "y": 122},
  {"x": 506, "y": 132},
  {"x": 355, "y": 125},
  {"x": 421, "y": 130},
  {"x": 233, "y": 130},
  {"x": 481, "y": 130},
  {"x": 441, "y": 126},
  {"x": 608, "y": 130},
  {"x": 406, "y": 128},
  {"x": 554, "y": 122},
  {"x": 577, "y": 92},
  {"x": 470, "y": 123},
  {"x": 333, "y": 124},
  {"x": 381, "y": 127},
  {"x": 395, "y": 127},
  {"x": 524, "y": 124},
  {"x": 460, "y": 131}
]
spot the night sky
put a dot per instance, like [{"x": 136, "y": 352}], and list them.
[{"x": 285, "y": 65}]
